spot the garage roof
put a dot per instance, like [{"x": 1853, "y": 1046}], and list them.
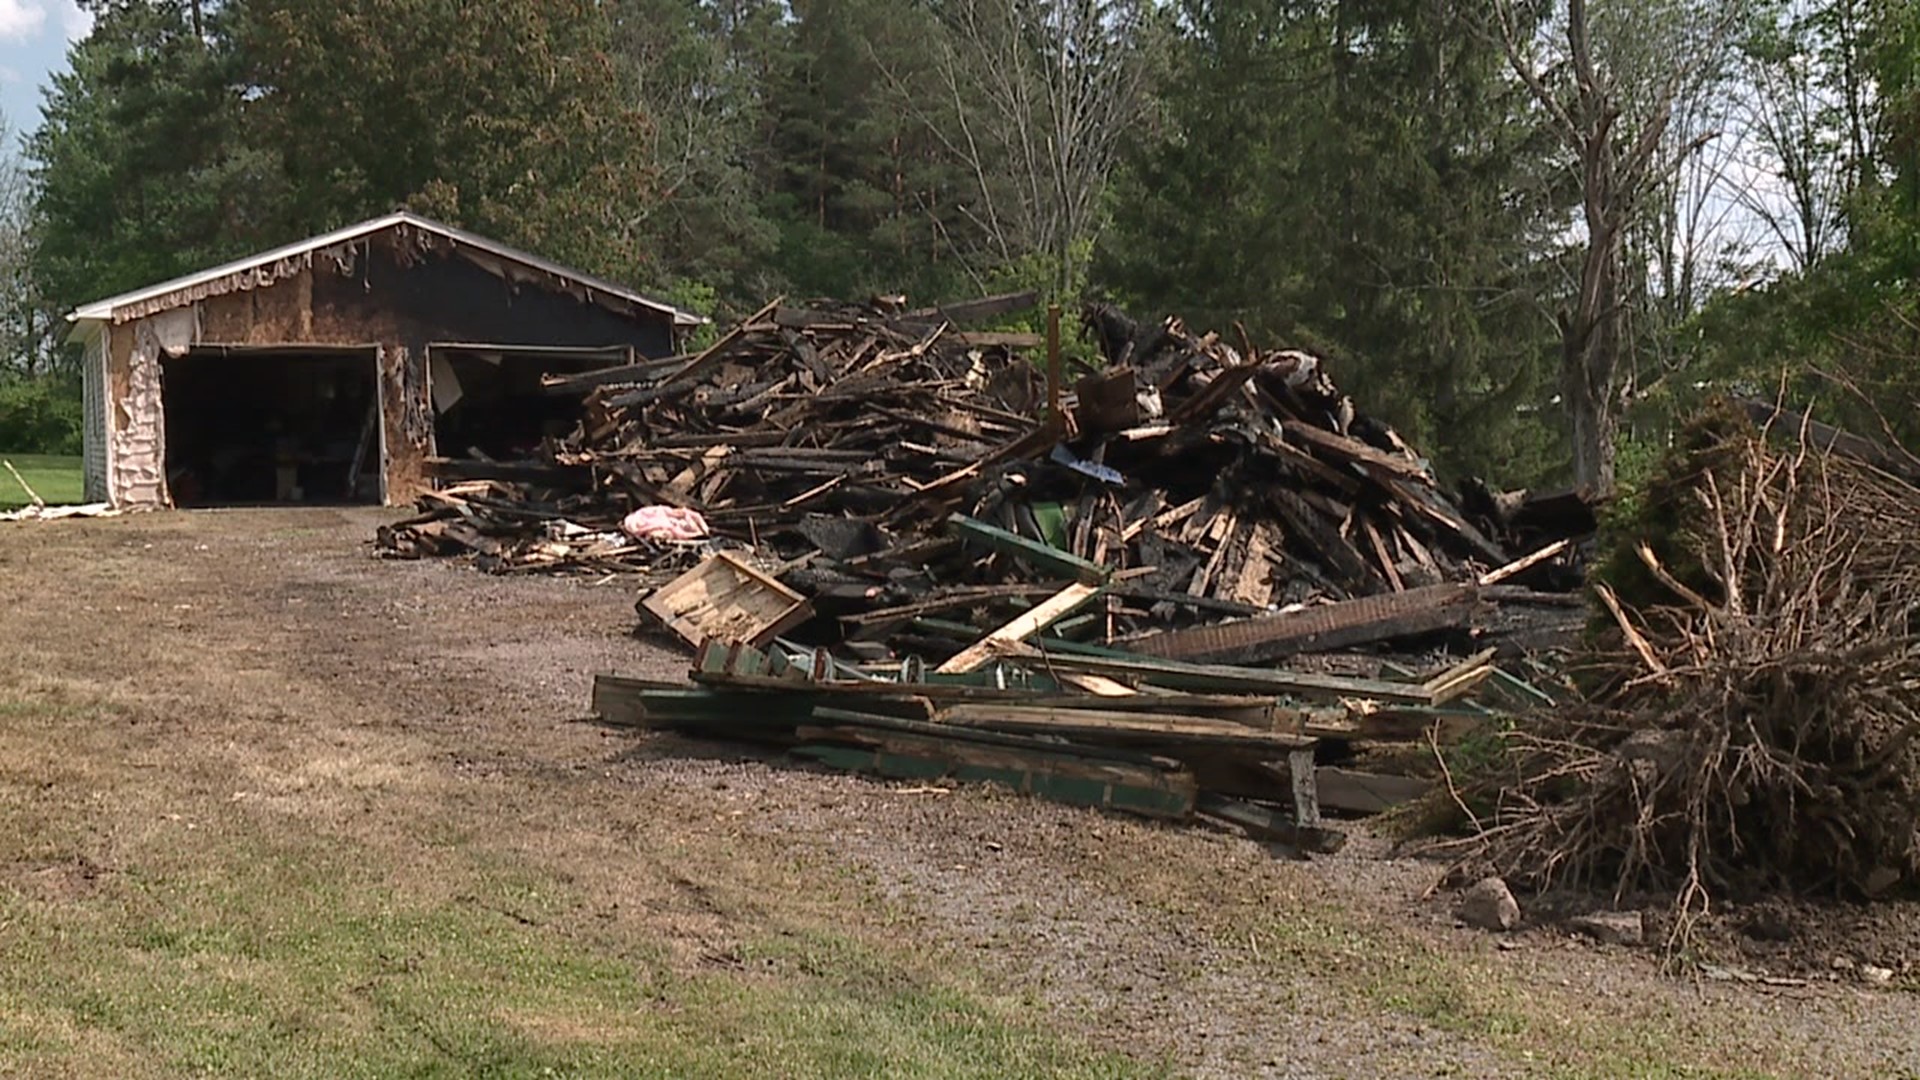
[{"x": 267, "y": 267}]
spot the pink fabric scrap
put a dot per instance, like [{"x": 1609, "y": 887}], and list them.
[{"x": 665, "y": 523}]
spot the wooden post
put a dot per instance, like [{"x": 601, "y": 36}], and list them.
[{"x": 1053, "y": 360}]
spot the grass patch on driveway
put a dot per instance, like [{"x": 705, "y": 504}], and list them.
[{"x": 238, "y": 941}]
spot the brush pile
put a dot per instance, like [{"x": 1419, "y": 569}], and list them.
[{"x": 1750, "y": 723}]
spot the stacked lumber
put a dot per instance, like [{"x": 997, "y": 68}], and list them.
[
  {"x": 1161, "y": 739},
  {"x": 912, "y": 481}
]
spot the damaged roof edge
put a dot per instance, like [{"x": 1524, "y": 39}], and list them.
[{"x": 88, "y": 316}]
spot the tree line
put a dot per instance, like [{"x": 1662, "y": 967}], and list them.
[{"x": 1529, "y": 233}]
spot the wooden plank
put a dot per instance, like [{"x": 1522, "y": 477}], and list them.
[
  {"x": 1422, "y": 499},
  {"x": 1098, "y": 685},
  {"x": 1350, "y": 449},
  {"x": 1211, "y": 397},
  {"x": 697, "y": 366},
  {"x": 1453, "y": 675},
  {"x": 1079, "y": 776},
  {"x": 912, "y": 553},
  {"x": 1264, "y": 823},
  {"x": 1211, "y": 678},
  {"x": 1254, "y": 583},
  {"x": 584, "y": 381},
  {"x": 1128, "y": 727},
  {"x": 986, "y": 307},
  {"x": 1524, "y": 563},
  {"x": 1032, "y": 552},
  {"x": 948, "y": 600},
  {"x": 1354, "y": 792},
  {"x": 1462, "y": 680},
  {"x": 1386, "y": 560},
  {"x": 567, "y": 477},
  {"x": 825, "y": 714},
  {"x": 1043, "y": 615},
  {"x": 1329, "y": 627},
  {"x": 1371, "y": 723},
  {"x": 1039, "y": 438},
  {"x": 990, "y": 339},
  {"x": 623, "y": 702}
]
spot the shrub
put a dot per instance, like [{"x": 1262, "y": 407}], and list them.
[{"x": 40, "y": 416}]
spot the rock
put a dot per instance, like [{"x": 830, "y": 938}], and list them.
[
  {"x": 1611, "y": 927},
  {"x": 1881, "y": 880},
  {"x": 1489, "y": 905},
  {"x": 1873, "y": 975}
]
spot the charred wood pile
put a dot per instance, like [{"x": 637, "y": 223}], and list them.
[
  {"x": 1074, "y": 581},
  {"x": 1279, "y": 755},
  {"x": 886, "y": 460}
]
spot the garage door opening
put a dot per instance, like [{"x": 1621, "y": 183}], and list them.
[
  {"x": 277, "y": 424},
  {"x": 489, "y": 403}
]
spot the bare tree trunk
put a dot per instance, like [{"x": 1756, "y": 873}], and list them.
[
  {"x": 1617, "y": 175},
  {"x": 1590, "y": 332}
]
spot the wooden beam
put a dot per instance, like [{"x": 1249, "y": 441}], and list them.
[
  {"x": 1043, "y": 615},
  {"x": 1212, "y": 678},
  {"x": 1349, "y": 449},
  {"x": 1524, "y": 563},
  {"x": 1319, "y": 629},
  {"x": 700, "y": 363},
  {"x": 1128, "y": 727},
  {"x": 986, "y": 307}
]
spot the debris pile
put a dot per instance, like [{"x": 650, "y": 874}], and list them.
[
  {"x": 1260, "y": 750},
  {"x": 1075, "y": 584},
  {"x": 799, "y": 412},
  {"x": 896, "y": 470},
  {"x": 1750, "y": 723}
]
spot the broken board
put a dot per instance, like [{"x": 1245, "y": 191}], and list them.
[{"x": 725, "y": 599}]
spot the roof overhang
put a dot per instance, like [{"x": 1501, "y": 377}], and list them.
[{"x": 268, "y": 266}]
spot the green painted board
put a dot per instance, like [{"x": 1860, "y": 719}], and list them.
[
  {"x": 1162, "y": 800},
  {"x": 1032, "y": 552}
]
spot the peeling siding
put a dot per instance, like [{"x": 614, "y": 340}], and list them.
[
  {"x": 93, "y": 390},
  {"x": 340, "y": 256},
  {"x": 139, "y": 438}
]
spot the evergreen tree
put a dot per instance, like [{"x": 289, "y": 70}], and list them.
[
  {"x": 506, "y": 117},
  {"x": 1359, "y": 177},
  {"x": 141, "y": 168}
]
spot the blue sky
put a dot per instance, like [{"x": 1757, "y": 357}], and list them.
[{"x": 33, "y": 45}]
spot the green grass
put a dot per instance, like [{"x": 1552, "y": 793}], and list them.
[
  {"x": 259, "y": 945},
  {"x": 1554, "y": 1034},
  {"x": 58, "y": 480}
]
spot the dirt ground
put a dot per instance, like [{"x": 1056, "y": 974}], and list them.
[{"x": 263, "y": 671}]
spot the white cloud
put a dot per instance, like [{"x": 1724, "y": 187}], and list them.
[
  {"x": 75, "y": 21},
  {"x": 21, "y": 18}
]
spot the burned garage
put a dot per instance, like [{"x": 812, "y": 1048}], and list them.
[{"x": 335, "y": 369}]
